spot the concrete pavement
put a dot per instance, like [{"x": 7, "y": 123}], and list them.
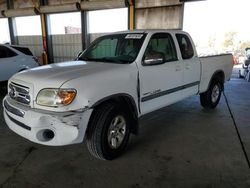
[{"x": 182, "y": 145}]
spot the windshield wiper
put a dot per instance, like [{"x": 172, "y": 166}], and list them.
[
  {"x": 106, "y": 60},
  {"x": 113, "y": 60},
  {"x": 86, "y": 59}
]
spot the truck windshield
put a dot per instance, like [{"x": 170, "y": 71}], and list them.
[{"x": 117, "y": 48}]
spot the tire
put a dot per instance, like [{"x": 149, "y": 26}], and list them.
[
  {"x": 211, "y": 98},
  {"x": 108, "y": 131}
]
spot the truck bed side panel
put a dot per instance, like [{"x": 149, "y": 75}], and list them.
[{"x": 212, "y": 64}]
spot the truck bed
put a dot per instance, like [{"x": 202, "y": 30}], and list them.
[{"x": 212, "y": 64}]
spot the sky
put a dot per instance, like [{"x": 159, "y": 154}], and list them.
[
  {"x": 69, "y": 19},
  {"x": 100, "y": 21},
  {"x": 214, "y": 18},
  {"x": 4, "y": 31},
  {"x": 108, "y": 21}
]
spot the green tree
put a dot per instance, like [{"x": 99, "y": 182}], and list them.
[
  {"x": 211, "y": 41},
  {"x": 245, "y": 45},
  {"x": 229, "y": 40}
]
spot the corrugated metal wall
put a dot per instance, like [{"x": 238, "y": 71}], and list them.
[
  {"x": 66, "y": 47},
  {"x": 159, "y": 18},
  {"x": 159, "y": 14},
  {"x": 34, "y": 43}
]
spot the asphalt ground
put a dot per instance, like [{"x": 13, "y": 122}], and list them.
[{"x": 181, "y": 145}]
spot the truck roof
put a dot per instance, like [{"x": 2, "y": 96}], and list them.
[{"x": 152, "y": 31}]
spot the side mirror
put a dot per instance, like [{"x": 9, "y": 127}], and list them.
[{"x": 155, "y": 59}]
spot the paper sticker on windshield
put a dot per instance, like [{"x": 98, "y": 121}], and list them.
[{"x": 134, "y": 36}]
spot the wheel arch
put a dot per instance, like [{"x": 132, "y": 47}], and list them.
[
  {"x": 220, "y": 75},
  {"x": 22, "y": 69},
  {"x": 125, "y": 100},
  {"x": 206, "y": 98}
]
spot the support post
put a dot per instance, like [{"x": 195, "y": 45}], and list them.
[
  {"x": 46, "y": 37},
  {"x": 12, "y": 24},
  {"x": 84, "y": 25},
  {"x": 131, "y": 14}
]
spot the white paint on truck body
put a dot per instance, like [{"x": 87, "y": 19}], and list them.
[
  {"x": 150, "y": 87},
  {"x": 211, "y": 64}
]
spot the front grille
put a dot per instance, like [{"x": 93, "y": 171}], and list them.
[{"x": 19, "y": 93}]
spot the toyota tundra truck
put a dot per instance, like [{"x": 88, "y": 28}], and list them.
[{"x": 102, "y": 94}]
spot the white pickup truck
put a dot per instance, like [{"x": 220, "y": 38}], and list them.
[{"x": 101, "y": 95}]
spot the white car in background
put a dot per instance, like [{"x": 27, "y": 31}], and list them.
[{"x": 15, "y": 59}]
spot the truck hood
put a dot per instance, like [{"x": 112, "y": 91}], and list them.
[{"x": 55, "y": 75}]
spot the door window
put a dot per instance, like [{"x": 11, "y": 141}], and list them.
[
  {"x": 186, "y": 48},
  {"x": 161, "y": 45},
  {"x": 6, "y": 52}
]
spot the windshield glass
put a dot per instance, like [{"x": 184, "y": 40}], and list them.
[{"x": 117, "y": 48}]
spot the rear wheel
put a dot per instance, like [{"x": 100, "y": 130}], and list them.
[
  {"x": 211, "y": 97},
  {"x": 108, "y": 132}
]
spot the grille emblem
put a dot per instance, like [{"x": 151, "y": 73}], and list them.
[
  {"x": 13, "y": 93},
  {"x": 19, "y": 93}
]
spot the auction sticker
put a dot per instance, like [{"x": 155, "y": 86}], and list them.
[{"x": 134, "y": 36}]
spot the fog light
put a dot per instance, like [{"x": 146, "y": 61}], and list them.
[
  {"x": 45, "y": 135},
  {"x": 48, "y": 134}
]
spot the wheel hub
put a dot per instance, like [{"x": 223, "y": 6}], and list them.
[
  {"x": 116, "y": 132},
  {"x": 215, "y": 93}
]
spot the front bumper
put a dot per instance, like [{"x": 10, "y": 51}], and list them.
[{"x": 46, "y": 127}]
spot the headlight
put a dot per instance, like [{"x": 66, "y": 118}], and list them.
[{"x": 55, "y": 97}]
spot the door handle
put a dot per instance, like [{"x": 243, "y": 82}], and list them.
[
  {"x": 187, "y": 66},
  {"x": 178, "y": 68}
]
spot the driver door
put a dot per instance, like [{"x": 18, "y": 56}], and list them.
[{"x": 160, "y": 82}]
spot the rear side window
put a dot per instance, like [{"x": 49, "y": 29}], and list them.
[
  {"x": 185, "y": 45},
  {"x": 24, "y": 50},
  {"x": 6, "y": 52}
]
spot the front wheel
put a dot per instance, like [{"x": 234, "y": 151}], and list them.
[
  {"x": 211, "y": 97},
  {"x": 108, "y": 132}
]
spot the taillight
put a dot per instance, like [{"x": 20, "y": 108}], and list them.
[{"x": 234, "y": 61}]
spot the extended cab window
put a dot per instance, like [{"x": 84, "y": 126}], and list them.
[
  {"x": 6, "y": 52},
  {"x": 161, "y": 46},
  {"x": 118, "y": 48},
  {"x": 185, "y": 45}
]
